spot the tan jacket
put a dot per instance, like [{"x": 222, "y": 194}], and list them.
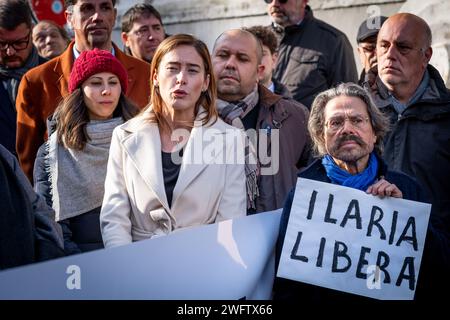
[
  {"x": 135, "y": 205},
  {"x": 43, "y": 87}
]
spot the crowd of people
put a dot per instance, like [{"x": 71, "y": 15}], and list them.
[{"x": 101, "y": 147}]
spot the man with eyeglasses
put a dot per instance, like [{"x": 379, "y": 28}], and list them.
[
  {"x": 413, "y": 95},
  {"x": 313, "y": 56},
  {"x": 142, "y": 31},
  {"x": 347, "y": 131},
  {"x": 17, "y": 56},
  {"x": 43, "y": 88},
  {"x": 367, "y": 42}
]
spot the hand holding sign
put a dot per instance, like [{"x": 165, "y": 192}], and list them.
[{"x": 383, "y": 188}]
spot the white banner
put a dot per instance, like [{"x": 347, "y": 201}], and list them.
[
  {"x": 232, "y": 259},
  {"x": 344, "y": 239}
]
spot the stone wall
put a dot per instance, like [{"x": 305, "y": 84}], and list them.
[{"x": 207, "y": 19}]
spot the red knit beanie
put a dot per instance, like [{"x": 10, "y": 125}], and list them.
[{"x": 95, "y": 61}]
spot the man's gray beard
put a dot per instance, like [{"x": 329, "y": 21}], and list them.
[
  {"x": 351, "y": 156},
  {"x": 281, "y": 21},
  {"x": 348, "y": 156}
]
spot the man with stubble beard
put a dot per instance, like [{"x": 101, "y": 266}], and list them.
[{"x": 281, "y": 146}]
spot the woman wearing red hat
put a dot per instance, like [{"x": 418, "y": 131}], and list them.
[
  {"x": 176, "y": 164},
  {"x": 70, "y": 168}
]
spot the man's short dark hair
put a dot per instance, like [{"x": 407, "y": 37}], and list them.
[
  {"x": 136, "y": 12},
  {"x": 68, "y": 3},
  {"x": 266, "y": 36},
  {"x": 13, "y": 13}
]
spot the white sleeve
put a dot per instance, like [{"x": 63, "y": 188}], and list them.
[
  {"x": 115, "y": 220},
  {"x": 234, "y": 199}
]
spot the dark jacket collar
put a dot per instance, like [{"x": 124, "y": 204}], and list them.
[
  {"x": 280, "y": 89},
  {"x": 437, "y": 87},
  {"x": 266, "y": 97},
  {"x": 435, "y": 94},
  {"x": 269, "y": 103}
]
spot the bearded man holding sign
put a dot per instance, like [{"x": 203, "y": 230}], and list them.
[{"x": 347, "y": 131}]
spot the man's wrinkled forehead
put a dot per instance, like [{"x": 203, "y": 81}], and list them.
[
  {"x": 79, "y": 3},
  {"x": 238, "y": 42},
  {"x": 401, "y": 30},
  {"x": 44, "y": 27},
  {"x": 73, "y": 2}
]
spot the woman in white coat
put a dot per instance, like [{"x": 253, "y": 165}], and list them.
[{"x": 176, "y": 164}]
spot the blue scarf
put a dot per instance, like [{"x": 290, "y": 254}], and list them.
[{"x": 359, "y": 181}]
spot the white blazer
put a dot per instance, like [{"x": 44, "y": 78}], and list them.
[{"x": 135, "y": 205}]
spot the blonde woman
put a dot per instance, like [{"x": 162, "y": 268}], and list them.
[{"x": 159, "y": 181}]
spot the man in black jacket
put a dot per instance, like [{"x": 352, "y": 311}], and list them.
[
  {"x": 413, "y": 95},
  {"x": 313, "y": 56},
  {"x": 281, "y": 144}
]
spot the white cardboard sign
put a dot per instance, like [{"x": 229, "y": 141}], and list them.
[
  {"x": 344, "y": 239},
  {"x": 229, "y": 260}
]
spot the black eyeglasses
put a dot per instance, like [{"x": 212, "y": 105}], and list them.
[
  {"x": 18, "y": 45},
  {"x": 337, "y": 123},
  {"x": 281, "y": 1}
]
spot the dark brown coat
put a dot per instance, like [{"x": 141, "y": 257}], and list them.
[
  {"x": 290, "y": 118},
  {"x": 43, "y": 87}
]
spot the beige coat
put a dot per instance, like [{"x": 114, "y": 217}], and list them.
[{"x": 135, "y": 206}]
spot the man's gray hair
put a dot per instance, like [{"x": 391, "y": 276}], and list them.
[{"x": 316, "y": 123}]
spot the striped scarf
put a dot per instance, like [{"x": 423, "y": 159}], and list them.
[{"x": 232, "y": 113}]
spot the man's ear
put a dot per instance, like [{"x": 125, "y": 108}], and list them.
[
  {"x": 304, "y": 4},
  {"x": 275, "y": 59},
  {"x": 124, "y": 37},
  {"x": 428, "y": 53},
  {"x": 260, "y": 71}
]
